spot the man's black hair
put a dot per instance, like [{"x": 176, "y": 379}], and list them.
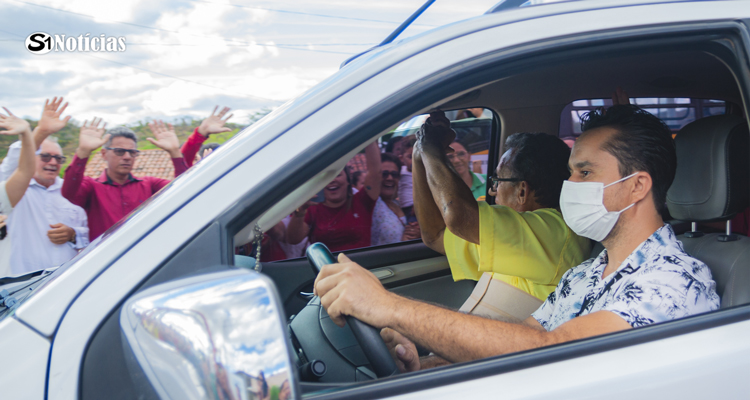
[
  {"x": 120, "y": 131},
  {"x": 542, "y": 161},
  {"x": 643, "y": 142},
  {"x": 389, "y": 157},
  {"x": 392, "y": 143}
]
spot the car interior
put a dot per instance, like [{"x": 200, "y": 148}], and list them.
[{"x": 530, "y": 95}]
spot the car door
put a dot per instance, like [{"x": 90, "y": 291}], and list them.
[{"x": 201, "y": 226}]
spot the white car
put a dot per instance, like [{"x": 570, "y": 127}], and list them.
[{"x": 159, "y": 306}]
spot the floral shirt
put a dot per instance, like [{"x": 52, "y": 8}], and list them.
[
  {"x": 387, "y": 227},
  {"x": 658, "y": 282}
]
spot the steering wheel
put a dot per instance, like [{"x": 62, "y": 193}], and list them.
[{"x": 368, "y": 337}]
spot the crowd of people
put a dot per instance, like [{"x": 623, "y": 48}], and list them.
[
  {"x": 55, "y": 217},
  {"x": 46, "y": 220}
]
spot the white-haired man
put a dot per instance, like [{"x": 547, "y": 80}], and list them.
[{"x": 45, "y": 229}]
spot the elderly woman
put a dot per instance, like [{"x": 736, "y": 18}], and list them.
[
  {"x": 389, "y": 223},
  {"x": 343, "y": 220}
]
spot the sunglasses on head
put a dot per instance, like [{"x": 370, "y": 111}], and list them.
[
  {"x": 47, "y": 157},
  {"x": 394, "y": 174},
  {"x": 121, "y": 152}
]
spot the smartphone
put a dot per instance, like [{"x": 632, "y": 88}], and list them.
[
  {"x": 320, "y": 197},
  {"x": 411, "y": 218}
]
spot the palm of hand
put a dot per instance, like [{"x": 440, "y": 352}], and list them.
[
  {"x": 51, "y": 121},
  {"x": 12, "y": 125},
  {"x": 91, "y": 138},
  {"x": 167, "y": 139},
  {"x": 164, "y": 136},
  {"x": 212, "y": 124}
]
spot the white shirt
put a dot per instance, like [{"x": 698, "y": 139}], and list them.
[
  {"x": 39, "y": 208},
  {"x": 658, "y": 282},
  {"x": 5, "y": 209},
  {"x": 387, "y": 227},
  {"x": 405, "y": 188}
]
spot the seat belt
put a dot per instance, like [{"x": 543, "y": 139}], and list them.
[{"x": 496, "y": 299}]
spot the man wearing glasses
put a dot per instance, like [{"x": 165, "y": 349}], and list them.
[
  {"x": 518, "y": 249},
  {"x": 45, "y": 229},
  {"x": 116, "y": 192}
]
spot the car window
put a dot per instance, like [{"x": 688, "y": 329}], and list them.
[
  {"x": 392, "y": 220},
  {"x": 675, "y": 112}
]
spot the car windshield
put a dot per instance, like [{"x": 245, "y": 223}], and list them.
[{"x": 14, "y": 291}]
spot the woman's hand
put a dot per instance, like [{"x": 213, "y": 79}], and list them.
[{"x": 411, "y": 231}]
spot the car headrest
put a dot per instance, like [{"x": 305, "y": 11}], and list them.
[{"x": 713, "y": 179}]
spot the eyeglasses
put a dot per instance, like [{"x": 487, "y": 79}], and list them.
[
  {"x": 494, "y": 181},
  {"x": 47, "y": 157},
  {"x": 121, "y": 152},
  {"x": 460, "y": 154},
  {"x": 394, "y": 174}
]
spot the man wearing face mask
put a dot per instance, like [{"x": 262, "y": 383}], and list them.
[{"x": 621, "y": 168}]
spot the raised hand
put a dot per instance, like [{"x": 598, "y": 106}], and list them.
[
  {"x": 13, "y": 125},
  {"x": 620, "y": 97},
  {"x": 91, "y": 137},
  {"x": 215, "y": 123},
  {"x": 165, "y": 138},
  {"x": 50, "y": 121},
  {"x": 435, "y": 135}
]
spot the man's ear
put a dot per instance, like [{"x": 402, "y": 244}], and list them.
[
  {"x": 522, "y": 193},
  {"x": 104, "y": 151},
  {"x": 642, "y": 185}
]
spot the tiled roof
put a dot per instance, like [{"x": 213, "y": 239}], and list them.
[
  {"x": 358, "y": 163},
  {"x": 156, "y": 163}
]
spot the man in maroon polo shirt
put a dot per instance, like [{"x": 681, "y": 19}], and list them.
[{"x": 116, "y": 192}]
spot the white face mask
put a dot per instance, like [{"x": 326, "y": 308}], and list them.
[{"x": 582, "y": 206}]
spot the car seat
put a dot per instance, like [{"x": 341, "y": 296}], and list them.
[{"x": 712, "y": 184}]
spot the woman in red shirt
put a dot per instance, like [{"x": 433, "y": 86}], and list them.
[{"x": 344, "y": 220}]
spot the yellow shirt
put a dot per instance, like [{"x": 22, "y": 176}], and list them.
[{"x": 529, "y": 250}]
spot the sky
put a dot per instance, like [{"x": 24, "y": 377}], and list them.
[{"x": 182, "y": 57}]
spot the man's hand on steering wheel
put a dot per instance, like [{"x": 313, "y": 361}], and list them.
[
  {"x": 403, "y": 351},
  {"x": 348, "y": 289}
]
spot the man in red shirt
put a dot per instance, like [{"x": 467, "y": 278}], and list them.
[{"x": 116, "y": 192}]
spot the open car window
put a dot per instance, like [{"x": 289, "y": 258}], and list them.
[{"x": 391, "y": 218}]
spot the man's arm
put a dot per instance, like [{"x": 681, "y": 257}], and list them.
[
  {"x": 374, "y": 176},
  {"x": 428, "y": 214},
  {"x": 453, "y": 198},
  {"x": 76, "y": 188},
  {"x": 19, "y": 180},
  {"x": 213, "y": 124},
  {"x": 348, "y": 289}
]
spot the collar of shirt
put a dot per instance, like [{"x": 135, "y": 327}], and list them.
[
  {"x": 55, "y": 186},
  {"x": 658, "y": 243},
  {"x": 105, "y": 179}
]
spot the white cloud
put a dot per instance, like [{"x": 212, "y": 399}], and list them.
[{"x": 229, "y": 52}]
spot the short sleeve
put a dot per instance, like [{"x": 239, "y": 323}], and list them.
[
  {"x": 463, "y": 257},
  {"x": 5, "y": 207},
  {"x": 543, "y": 314},
  {"x": 661, "y": 296}
]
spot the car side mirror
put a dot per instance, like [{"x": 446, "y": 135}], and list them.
[{"x": 214, "y": 336}]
